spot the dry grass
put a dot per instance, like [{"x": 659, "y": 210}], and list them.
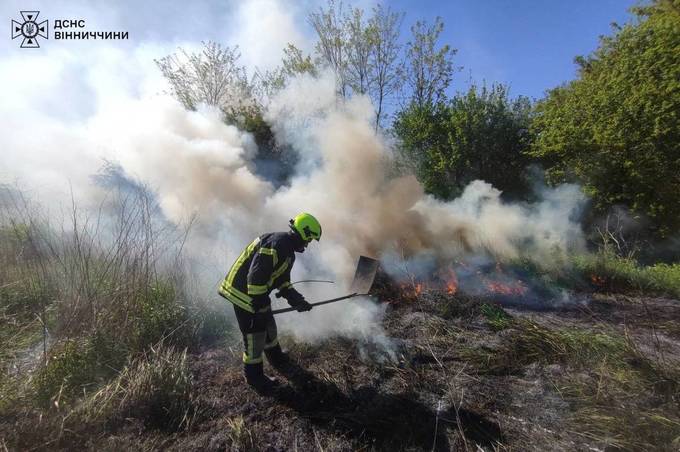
[
  {"x": 156, "y": 388},
  {"x": 95, "y": 296},
  {"x": 240, "y": 436}
]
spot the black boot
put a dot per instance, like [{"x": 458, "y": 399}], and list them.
[
  {"x": 277, "y": 358},
  {"x": 257, "y": 379}
]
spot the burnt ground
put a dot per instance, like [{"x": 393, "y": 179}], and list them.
[
  {"x": 455, "y": 372},
  {"x": 440, "y": 390}
]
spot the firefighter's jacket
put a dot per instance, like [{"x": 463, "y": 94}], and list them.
[{"x": 262, "y": 267}]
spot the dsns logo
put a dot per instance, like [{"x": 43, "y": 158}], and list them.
[{"x": 30, "y": 29}]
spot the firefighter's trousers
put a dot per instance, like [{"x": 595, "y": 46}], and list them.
[{"x": 259, "y": 333}]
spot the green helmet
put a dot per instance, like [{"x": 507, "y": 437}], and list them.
[{"x": 307, "y": 226}]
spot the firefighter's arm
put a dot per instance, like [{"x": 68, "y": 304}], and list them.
[
  {"x": 261, "y": 268},
  {"x": 292, "y": 296}
]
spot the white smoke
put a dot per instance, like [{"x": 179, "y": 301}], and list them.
[{"x": 53, "y": 144}]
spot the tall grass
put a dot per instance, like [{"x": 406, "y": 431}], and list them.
[
  {"x": 603, "y": 271},
  {"x": 607, "y": 271},
  {"x": 96, "y": 294},
  {"x": 156, "y": 387}
]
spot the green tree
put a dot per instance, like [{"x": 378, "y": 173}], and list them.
[
  {"x": 211, "y": 76},
  {"x": 422, "y": 135},
  {"x": 388, "y": 77},
  {"x": 481, "y": 134},
  {"x": 214, "y": 77},
  {"x": 616, "y": 128},
  {"x": 331, "y": 48},
  {"x": 294, "y": 62},
  {"x": 362, "y": 51},
  {"x": 488, "y": 137},
  {"x": 429, "y": 69}
]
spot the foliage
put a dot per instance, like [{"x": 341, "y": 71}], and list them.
[
  {"x": 479, "y": 135},
  {"x": 295, "y": 62},
  {"x": 211, "y": 76},
  {"x": 615, "y": 128},
  {"x": 423, "y": 144},
  {"x": 488, "y": 134},
  {"x": 362, "y": 51},
  {"x": 214, "y": 77},
  {"x": 429, "y": 70}
]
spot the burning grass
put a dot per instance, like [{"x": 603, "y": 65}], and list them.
[{"x": 609, "y": 272}]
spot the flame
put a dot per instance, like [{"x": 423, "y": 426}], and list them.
[
  {"x": 446, "y": 280},
  {"x": 412, "y": 289},
  {"x": 515, "y": 288},
  {"x": 597, "y": 280},
  {"x": 452, "y": 283}
]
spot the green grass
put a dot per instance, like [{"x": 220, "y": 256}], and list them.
[
  {"x": 496, "y": 316},
  {"x": 528, "y": 342},
  {"x": 76, "y": 367},
  {"x": 603, "y": 271},
  {"x": 160, "y": 316},
  {"x": 608, "y": 272}
]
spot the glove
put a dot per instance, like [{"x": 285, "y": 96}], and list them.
[
  {"x": 296, "y": 300},
  {"x": 260, "y": 302},
  {"x": 303, "y": 306}
]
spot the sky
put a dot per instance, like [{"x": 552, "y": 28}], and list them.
[{"x": 527, "y": 44}]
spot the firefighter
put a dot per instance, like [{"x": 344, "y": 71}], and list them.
[{"x": 262, "y": 267}]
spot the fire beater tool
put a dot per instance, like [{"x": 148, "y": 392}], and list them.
[{"x": 361, "y": 284}]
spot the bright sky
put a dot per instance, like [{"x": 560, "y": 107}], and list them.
[{"x": 529, "y": 44}]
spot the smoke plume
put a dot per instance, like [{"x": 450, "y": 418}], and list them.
[{"x": 200, "y": 167}]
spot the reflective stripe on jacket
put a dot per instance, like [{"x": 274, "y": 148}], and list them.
[{"x": 263, "y": 266}]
